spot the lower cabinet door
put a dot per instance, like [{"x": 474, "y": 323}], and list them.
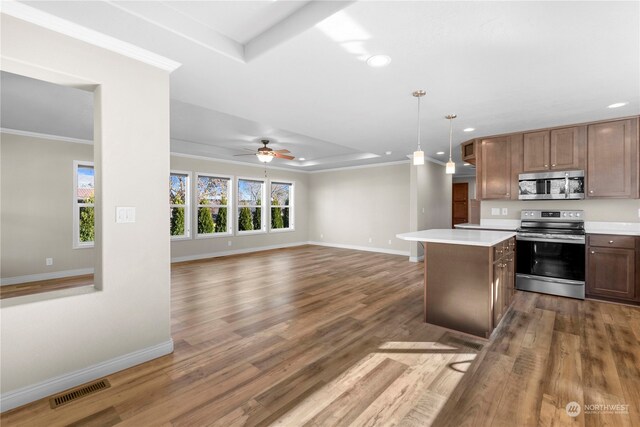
[{"x": 611, "y": 272}]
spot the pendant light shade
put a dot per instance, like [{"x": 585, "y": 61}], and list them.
[
  {"x": 418, "y": 155},
  {"x": 451, "y": 166}
]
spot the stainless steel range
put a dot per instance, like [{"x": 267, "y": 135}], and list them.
[{"x": 551, "y": 252}]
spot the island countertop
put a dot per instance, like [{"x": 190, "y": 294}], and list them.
[{"x": 458, "y": 236}]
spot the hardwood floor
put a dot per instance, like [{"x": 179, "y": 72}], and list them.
[
  {"x": 10, "y": 291},
  {"x": 316, "y": 336}
]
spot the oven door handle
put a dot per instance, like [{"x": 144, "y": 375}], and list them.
[{"x": 541, "y": 239}]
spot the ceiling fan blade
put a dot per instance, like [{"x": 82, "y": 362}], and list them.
[
  {"x": 283, "y": 156},
  {"x": 281, "y": 151}
]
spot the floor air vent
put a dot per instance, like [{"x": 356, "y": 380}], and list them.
[{"x": 78, "y": 392}]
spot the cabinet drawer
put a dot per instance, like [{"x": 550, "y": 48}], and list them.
[
  {"x": 613, "y": 241},
  {"x": 500, "y": 250}
]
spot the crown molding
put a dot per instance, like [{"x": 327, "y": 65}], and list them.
[
  {"x": 78, "y": 32},
  {"x": 45, "y": 136}
]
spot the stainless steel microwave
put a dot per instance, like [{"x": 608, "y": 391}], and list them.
[{"x": 551, "y": 185}]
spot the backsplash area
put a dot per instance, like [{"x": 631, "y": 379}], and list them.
[{"x": 623, "y": 210}]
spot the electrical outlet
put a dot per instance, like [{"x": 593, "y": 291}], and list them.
[
  {"x": 229, "y": 243},
  {"x": 48, "y": 261},
  {"x": 495, "y": 211},
  {"x": 389, "y": 241},
  {"x": 321, "y": 236},
  {"x": 505, "y": 211},
  {"x": 422, "y": 210},
  {"x": 370, "y": 240},
  {"x": 638, "y": 213}
]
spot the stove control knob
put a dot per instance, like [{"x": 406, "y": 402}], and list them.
[
  {"x": 578, "y": 214},
  {"x": 564, "y": 214},
  {"x": 571, "y": 214}
]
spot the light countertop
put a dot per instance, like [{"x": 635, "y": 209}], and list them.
[
  {"x": 458, "y": 236},
  {"x": 486, "y": 227}
]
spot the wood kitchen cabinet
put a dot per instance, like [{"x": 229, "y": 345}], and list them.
[
  {"x": 612, "y": 267},
  {"x": 612, "y": 159},
  {"x": 503, "y": 278},
  {"x": 556, "y": 149},
  {"x": 497, "y": 167},
  {"x": 469, "y": 151}
]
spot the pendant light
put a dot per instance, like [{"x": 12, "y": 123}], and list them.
[
  {"x": 418, "y": 155},
  {"x": 451, "y": 167}
]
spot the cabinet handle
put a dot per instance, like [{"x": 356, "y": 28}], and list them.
[
  {"x": 590, "y": 191},
  {"x": 593, "y": 252},
  {"x": 553, "y": 165},
  {"x": 610, "y": 241},
  {"x": 546, "y": 166},
  {"x": 508, "y": 194}
]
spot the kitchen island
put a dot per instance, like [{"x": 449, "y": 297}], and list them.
[{"x": 469, "y": 277}]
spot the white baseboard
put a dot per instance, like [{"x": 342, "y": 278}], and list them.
[
  {"x": 31, "y": 393},
  {"x": 236, "y": 252},
  {"x": 361, "y": 248},
  {"x": 44, "y": 276},
  {"x": 416, "y": 258}
]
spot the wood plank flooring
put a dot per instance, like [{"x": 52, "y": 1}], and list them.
[
  {"x": 316, "y": 336},
  {"x": 10, "y": 291}
]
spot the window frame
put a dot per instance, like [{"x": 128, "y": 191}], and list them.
[
  {"x": 77, "y": 244},
  {"x": 197, "y": 206},
  {"x": 264, "y": 229},
  {"x": 187, "y": 206},
  {"x": 292, "y": 217}
]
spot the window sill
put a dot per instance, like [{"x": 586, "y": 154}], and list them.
[
  {"x": 76, "y": 246},
  {"x": 178, "y": 238},
  {"x": 282, "y": 230},
  {"x": 213, "y": 236}
]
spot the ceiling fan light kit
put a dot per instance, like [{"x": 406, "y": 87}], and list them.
[
  {"x": 418, "y": 155},
  {"x": 266, "y": 154},
  {"x": 264, "y": 157}
]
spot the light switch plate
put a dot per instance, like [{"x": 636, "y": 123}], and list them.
[
  {"x": 125, "y": 214},
  {"x": 505, "y": 211},
  {"x": 495, "y": 211}
]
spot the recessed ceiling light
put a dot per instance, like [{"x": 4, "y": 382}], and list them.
[
  {"x": 302, "y": 159},
  {"x": 388, "y": 153},
  {"x": 377, "y": 61},
  {"x": 617, "y": 105},
  {"x": 440, "y": 153},
  {"x": 468, "y": 129}
]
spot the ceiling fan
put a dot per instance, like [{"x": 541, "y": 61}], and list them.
[{"x": 266, "y": 154}]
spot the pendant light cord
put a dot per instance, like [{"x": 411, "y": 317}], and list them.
[
  {"x": 419, "y": 149},
  {"x": 450, "y": 135}
]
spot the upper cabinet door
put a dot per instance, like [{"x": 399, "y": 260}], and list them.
[
  {"x": 567, "y": 148},
  {"x": 536, "y": 151},
  {"x": 495, "y": 168},
  {"x": 612, "y": 166}
]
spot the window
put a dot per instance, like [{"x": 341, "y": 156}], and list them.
[
  {"x": 281, "y": 206},
  {"x": 250, "y": 196},
  {"x": 214, "y": 199},
  {"x": 179, "y": 202},
  {"x": 83, "y": 204}
]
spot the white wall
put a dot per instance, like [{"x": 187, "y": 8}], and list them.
[
  {"x": 207, "y": 247},
  {"x": 430, "y": 191},
  {"x": 36, "y": 209},
  {"x": 46, "y": 340},
  {"x": 609, "y": 210},
  {"x": 350, "y": 206}
]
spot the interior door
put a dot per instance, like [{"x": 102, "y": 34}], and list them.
[{"x": 460, "y": 200}]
